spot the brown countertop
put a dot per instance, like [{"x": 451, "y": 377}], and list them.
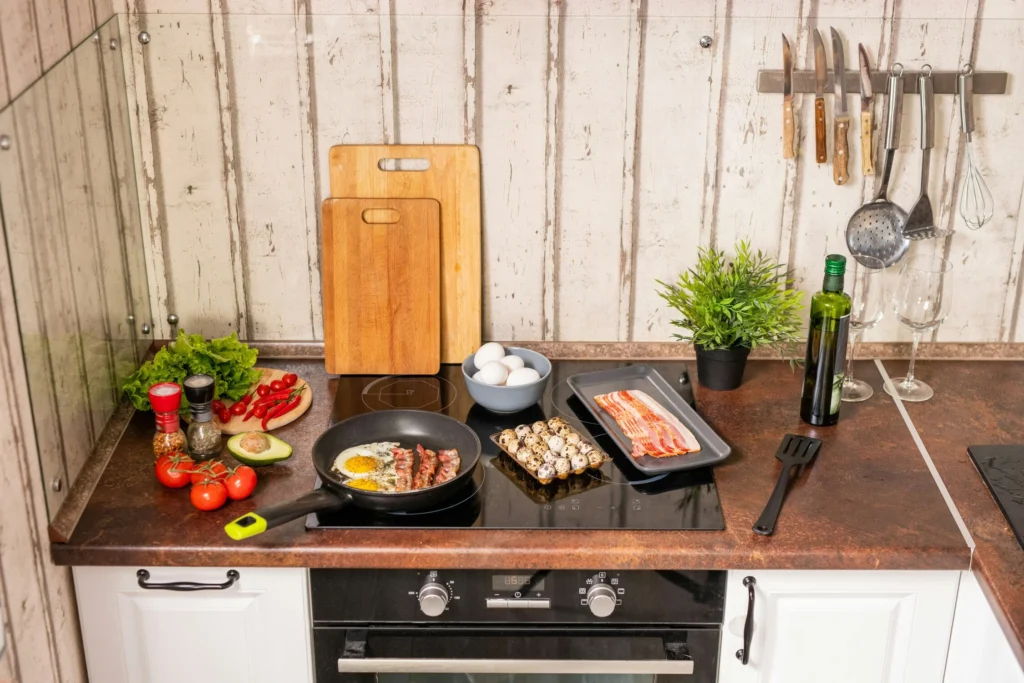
[
  {"x": 975, "y": 403},
  {"x": 868, "y": 502}
]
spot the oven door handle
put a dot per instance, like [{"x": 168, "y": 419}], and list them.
[{"x": 515, "y": 666}]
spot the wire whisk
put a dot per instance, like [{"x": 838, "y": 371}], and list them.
[{"x": 976, "y": 204}]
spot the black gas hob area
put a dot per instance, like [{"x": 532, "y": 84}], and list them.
[{"x": 502, "y": 496}]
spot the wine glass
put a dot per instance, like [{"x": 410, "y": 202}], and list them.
[
  {"x": 921, "y": 302},
  {"x": 867, "y": 309}
]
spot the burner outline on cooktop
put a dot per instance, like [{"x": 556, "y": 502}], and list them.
[
  {"x": 560, "y": 403},
  {"x": 429, "y": 387}
]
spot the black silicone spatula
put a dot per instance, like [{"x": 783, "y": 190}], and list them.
[{"x": 794, "y": 451}]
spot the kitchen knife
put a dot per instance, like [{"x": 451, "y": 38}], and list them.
[
  {"x": 787, "y": 101},
  {"x": 841, "y": 121},
  {"x": 867, "y": 155},
  {"x": 820, "y": 73}
]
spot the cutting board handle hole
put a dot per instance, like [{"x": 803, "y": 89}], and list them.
[
  {"x": 393, "y": 164},
  {"x": 375, "y": 216}
]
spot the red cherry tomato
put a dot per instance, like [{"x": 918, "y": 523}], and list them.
[
  {"x": 277, "y": 385},
  {"x": 290, "y": 379},
  {"x": 224, "y": 416},
  {"x": 263, "y": 390},
  {"x": 260, "y": 411},
  {"x": 214, "y": 469},
  {"x": 238, "y": 409},
  {"x": 209, "y": 495},
  {"x": 174, "y": 471},
  {"x": 217, "y": 406},
  {"x": 240, "y": 482}
]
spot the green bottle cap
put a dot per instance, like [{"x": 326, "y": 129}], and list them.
[{"x": 835, "y": 264}]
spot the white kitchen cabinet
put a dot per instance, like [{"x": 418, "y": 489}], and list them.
[
  {"x": 255, "y": 631},
  {"x": 840, "y": 626},
  {"x": 978, "y": 648}
]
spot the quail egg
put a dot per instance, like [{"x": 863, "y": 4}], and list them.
[
  {"x": 531, "y": 439},
  {"x": 550, "y": 456},
  {"x": 556, "y": 443},
  {"x": 556, "y": 422},
  {"x": 546, "y": 471},
  {"x": 539, "y": 450},
  {"x": 523, "y": 430},
  {"x": 585, "y": 447},
  {"x": 564, "y": 431},
  {"x": 524, "y": 454},
  {"x": 578, "y": 462},
  {"x": 569, "y": 451},
  {"x": 538, "y": 426},
  {"x": 506, "y": 437},
  {"x": 572, "y": 438},
  {"x": 595, "y": 458},
  {"x": 533, "y": 463},
  {"x": 562, "y": 466},
  {"x": 513, "y": 446}
]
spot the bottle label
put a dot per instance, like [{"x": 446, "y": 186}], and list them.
[{"x": 842, "y": 338}]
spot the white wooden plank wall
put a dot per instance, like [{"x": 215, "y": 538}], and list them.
[
  {"x": 36, "y": 34},
  {"x": 613, "y": 146}
]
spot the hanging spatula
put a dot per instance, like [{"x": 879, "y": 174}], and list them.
[{"x": 794, "y": 451}]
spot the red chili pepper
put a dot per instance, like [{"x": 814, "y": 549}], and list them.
[
  {"x": 245, "y": 399},
  {"x": 271, "y": 414},
  {"x": 252, "y": 411},
  {"x": 277, "y": 396},
  {"x": 290, "y": 406}
]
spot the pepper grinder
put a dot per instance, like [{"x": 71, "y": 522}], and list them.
[{"x": 203, "y": 434}]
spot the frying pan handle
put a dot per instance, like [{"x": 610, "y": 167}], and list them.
[{"x": 260, "y": 520}]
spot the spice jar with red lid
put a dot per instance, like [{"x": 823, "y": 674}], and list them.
[{"x": 166, "y": 401}]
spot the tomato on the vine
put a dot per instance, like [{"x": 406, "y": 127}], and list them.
[
  {"x": 214, "y": 469},
  {"x": 174, "y": 471},
  {"x": 208, "y": 495},
  {"x": 240, "y": 482}
]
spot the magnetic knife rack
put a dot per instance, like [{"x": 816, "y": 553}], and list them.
[{"x": 944, "y": 82}]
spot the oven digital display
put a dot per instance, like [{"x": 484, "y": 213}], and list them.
[{"x": 516, "y": 582}]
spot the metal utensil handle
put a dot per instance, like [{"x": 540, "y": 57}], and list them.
[
  {"x": 927, "y": 89},
  {"x": 965, "y": 86},
  {"x": 668, "y": 667},
  {"x": 894, "y": 111},
  {"x": 748, "y": 623},
  {"x": 186, "y": 586}
]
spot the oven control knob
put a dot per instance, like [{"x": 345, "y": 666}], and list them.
[
  {"x": 433, "y": 599},
  {"x": 601, "y": 600}
]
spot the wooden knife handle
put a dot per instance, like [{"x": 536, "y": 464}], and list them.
[
  {"x": 820, "y": 150},
  {"x": 841, "y": 151},
  {"x": 867, "y": 152},
  {"x": 787, "y": 130}
]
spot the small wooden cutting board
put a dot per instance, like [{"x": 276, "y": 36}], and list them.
[
  {"x": 237, "y": 425},
  {"x": 382, "y": 286}
]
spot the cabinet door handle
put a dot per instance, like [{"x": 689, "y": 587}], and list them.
[
  {"x": 748, "y": 625},
  {"x": 143, "y": 575}
]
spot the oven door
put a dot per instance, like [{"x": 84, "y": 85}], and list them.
[{"x": 500, "y": 655}]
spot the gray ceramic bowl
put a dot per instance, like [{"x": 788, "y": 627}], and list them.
[{"x": 509, "y": 399}]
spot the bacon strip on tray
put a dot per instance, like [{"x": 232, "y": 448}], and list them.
[
  {"x": 428, "y": 465},
  {"x": 653, "y": 430},
  {"x": 450, "y": 463},
  {"x": 403, "y": 468}
]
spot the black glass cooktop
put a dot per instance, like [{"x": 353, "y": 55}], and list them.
[
  {"x": 1002, "y": 468},
  {"x": 500, "y": 495}
]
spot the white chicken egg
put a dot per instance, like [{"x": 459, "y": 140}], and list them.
[
  {"x": 358, "y": 462},
  {"x": 491, "y": 351},
  {"x": 476, "y": 376},
  {"x": 494, "y": 373},
  {"x": 513, "y": 363},
  {"x": 522, "y": 376}
]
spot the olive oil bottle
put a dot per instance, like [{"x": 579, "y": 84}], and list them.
[{"x": 825, "y": 362}]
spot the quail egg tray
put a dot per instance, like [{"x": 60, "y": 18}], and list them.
[{"x": 592, "y": 463}]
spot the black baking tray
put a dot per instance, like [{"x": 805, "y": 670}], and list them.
[{"x": 587, "y": 385}]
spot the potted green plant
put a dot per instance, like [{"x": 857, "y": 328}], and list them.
[{"x": 728, "y": 309}]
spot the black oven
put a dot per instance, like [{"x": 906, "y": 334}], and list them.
[{"x": 481, "y": 626}]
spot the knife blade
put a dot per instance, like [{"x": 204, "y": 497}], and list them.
[
  {"x": 787, "y": 100},
  {"x": 841, "y": 120},
  {"x": 820, "y": 74},
  {"x": 867, "y": 156}
]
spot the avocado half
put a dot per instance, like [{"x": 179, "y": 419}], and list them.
[{"x": 258, "y": 448}]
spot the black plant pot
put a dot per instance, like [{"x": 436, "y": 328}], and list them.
[{"x": 721, "y": 369}]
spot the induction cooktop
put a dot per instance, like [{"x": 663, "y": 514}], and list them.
[
  {"x": 500, "y": 495},
  {"x": 1002, "y": 468}
]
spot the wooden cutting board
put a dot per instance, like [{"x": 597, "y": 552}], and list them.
[
  {"x": 453, "y": 179},
  {"x": 382, "y": 286}
]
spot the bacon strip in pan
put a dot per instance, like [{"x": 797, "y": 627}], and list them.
[
  {"x": 428, "y": 465},
  {"x": 450, "y": 462},
  {"x": 403, "y": 468},
  {"x": 653, "y": 430}
]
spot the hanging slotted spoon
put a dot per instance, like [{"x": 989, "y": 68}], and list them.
[
  {"x": 876, "y": 229},
  {"x": 921, "y": 221}
]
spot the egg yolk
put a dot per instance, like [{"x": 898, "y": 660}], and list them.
[
  {"x": 361, "y": 464},
  {"x": 364, "y": 484}
]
